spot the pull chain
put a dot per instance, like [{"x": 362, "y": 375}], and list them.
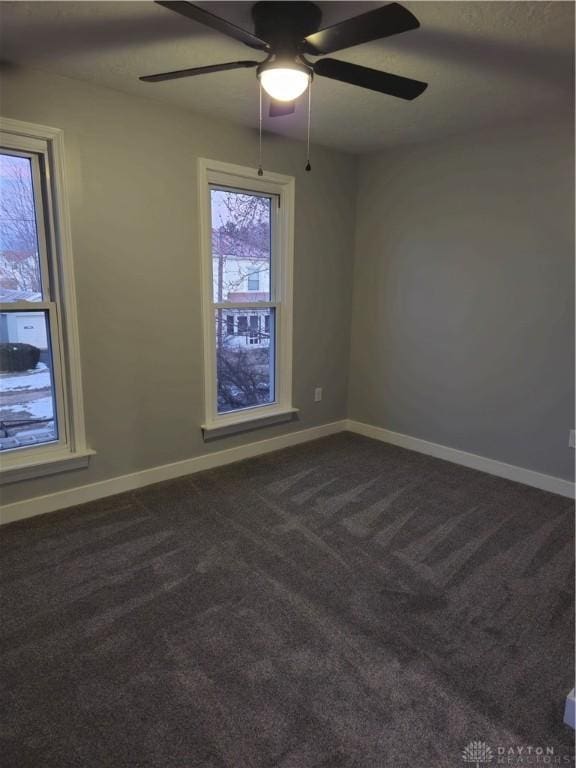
[
  {"x": 308, "y": 166},
  {"x": 260, "y": 171}
]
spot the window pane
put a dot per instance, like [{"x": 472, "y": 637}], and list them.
[
  {"x": 240, "y": 246},
  {"x": 244, "y": 358},
  {"x": 19, "y": 255},
  {"x": 27, "y": 402}
]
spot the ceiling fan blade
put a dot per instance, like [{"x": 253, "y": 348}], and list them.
[
  {"x": 281, "y": 108},
  {"x": 373, "y": 79},
  {"x": 198, "y": 71},
  {"x": 196, "y": 13},
  {"x": 382, "y": 22}
]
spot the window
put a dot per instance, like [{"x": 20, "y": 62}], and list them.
[
  {"x": 41, "y": 424},
  {"x": 247, "y": 244},
  {"x": 253, "y": 282}
]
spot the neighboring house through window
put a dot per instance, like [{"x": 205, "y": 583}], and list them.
[
  {"x": 41, "y": 420},
  {"x": 247, "y": 242}
]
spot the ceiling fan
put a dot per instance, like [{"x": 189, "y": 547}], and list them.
[{"x": 288, "y": 31}]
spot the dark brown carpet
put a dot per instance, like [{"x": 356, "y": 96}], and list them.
[{"x": 343, "y": 603}]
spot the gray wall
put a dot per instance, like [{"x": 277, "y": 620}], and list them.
[
  {"x": 463, "y": 316},
  {"x": 131, "y": 165},
  {"x": 462, "y": 323}
]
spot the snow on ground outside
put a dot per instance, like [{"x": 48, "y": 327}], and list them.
[
  {"x": 20, "y": 391},
  {"x": 35, "y": 409},
  {"x": 38, "y": 378}
]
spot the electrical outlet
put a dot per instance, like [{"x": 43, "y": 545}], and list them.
[
  {"x": 317, "y": 394},
  {"x": 572, "y": 439}
]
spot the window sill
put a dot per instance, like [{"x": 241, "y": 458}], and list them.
[
  {"x": 214, "y": 430},
  {"x": 48, "y": 463}
]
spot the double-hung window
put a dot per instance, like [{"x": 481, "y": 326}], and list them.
[
  {"x": 41, "y": 421},
  {"x": 247, "y": 246}
]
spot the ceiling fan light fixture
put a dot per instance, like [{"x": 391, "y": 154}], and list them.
[{"x": 284, "y": 82}]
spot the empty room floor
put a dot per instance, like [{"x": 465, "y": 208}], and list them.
[{"x": 341, "y": 603}]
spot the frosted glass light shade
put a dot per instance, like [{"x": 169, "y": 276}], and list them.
[{"x": 283, "y": 83}]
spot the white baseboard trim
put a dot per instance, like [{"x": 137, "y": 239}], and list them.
[
  {"x": 74, "y": 496},
  {"x": 70, "y": 498},
  {"x": 472, "y": 460}
]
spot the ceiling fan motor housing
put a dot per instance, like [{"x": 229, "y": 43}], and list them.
[{"x": 284, "y": 25}]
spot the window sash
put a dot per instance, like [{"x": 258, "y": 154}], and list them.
[
  {"x": 40, "y": 212},
  {"x": 275, "y": 244},
  {"x": 276, "y": 346},
  {"x": 51, "y": 310}
]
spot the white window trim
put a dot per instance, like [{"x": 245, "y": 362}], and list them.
[
  {"x": 236, "y": 176},
  {"x": 71, "y": 451}
]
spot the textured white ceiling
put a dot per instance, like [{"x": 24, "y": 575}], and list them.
[{"x": 485, "y": 62}]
